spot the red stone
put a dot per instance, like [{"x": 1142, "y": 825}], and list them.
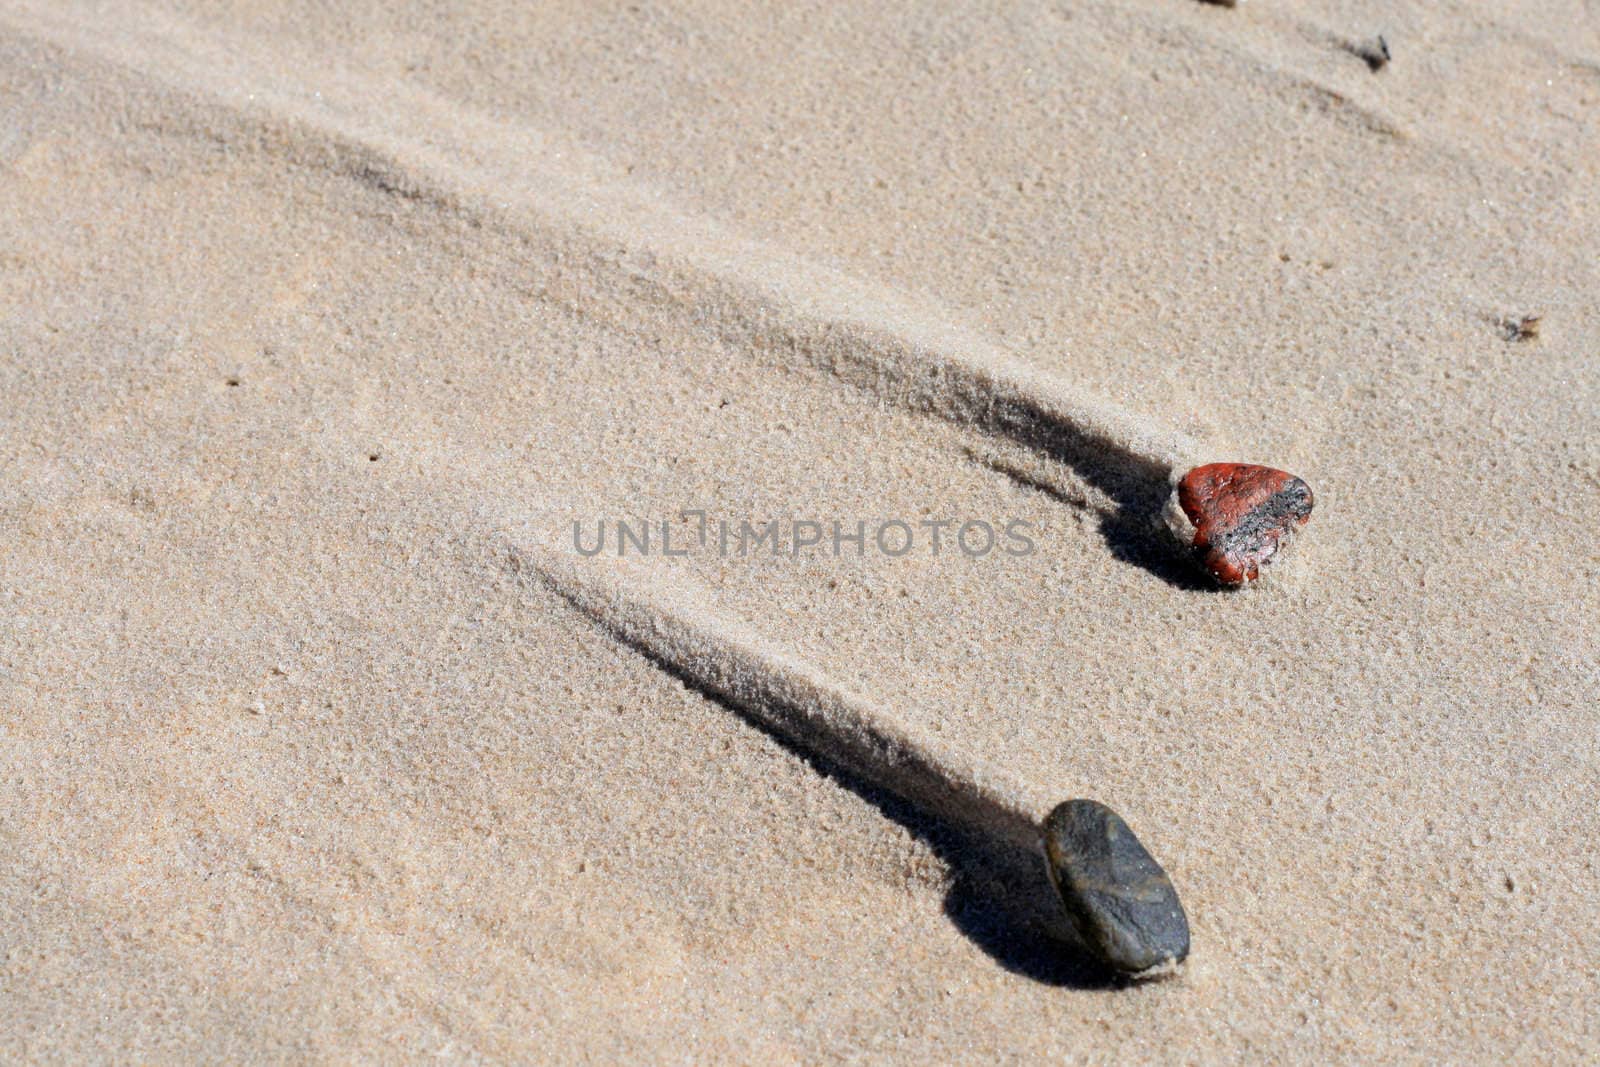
[{"x": 1242, "y": 515}]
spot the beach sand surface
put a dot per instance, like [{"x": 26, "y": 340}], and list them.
[{"x": 321, "y": 326}]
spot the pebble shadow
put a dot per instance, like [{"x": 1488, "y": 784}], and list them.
[
  {"x": 1000, "y": 897},
  {"x": 1133, "y": 528},
  {"x": 1136, "y": 539}
]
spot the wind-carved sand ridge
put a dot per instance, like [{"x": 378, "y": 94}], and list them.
[
  {"x": 605, "y": 248},
  {"x": 670, "y": 623},
  {"x": 680, "y": 633}
]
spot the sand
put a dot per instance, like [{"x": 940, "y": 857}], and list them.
[{"x": 321, "y": 325}]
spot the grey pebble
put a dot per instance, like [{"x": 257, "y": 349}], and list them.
[{"x": 1119, "y": 900}]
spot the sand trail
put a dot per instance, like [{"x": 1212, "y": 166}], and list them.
[
  {"x": 681, "y": 630},
  {"x": 616, "y": 252}
]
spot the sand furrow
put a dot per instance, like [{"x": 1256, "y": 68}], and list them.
[
  {"x": 609, "y": 249},
  {"x": 673, "y": 625}
]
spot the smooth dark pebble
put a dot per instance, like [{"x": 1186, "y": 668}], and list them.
[{"x": 1117, "y": 897}]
